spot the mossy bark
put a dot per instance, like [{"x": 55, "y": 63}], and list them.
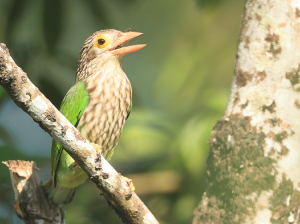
[{"x": 253, "y": 171}]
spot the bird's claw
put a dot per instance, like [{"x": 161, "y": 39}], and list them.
[
  {"x": 131, "y": 186},
  {"x": 98, "y": 148},
  {"x": 98, "y": 159}
]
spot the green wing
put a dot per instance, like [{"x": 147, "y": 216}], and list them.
[{"x": 72, "y": 108}]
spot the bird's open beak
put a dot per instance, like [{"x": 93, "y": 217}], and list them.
[{"x": 117, "y": 48}]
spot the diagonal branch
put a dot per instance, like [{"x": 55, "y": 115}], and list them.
[{"x": 107, "y": 179}]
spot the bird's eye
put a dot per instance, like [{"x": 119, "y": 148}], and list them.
[{"x": 101, "y": 41}]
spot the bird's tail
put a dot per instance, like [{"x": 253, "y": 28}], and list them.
[{"x": 59, "y": 195}]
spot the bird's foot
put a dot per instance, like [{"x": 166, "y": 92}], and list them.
[
  {"x": 98, "y": 148},
  {"x": 131, "y": 186},
  {"x": 98, "y": 159}
]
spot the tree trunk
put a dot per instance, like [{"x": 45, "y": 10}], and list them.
[{"x": 253, "y": 170}]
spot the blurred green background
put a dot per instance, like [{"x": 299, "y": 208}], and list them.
[{"x": 181, "y": 83}]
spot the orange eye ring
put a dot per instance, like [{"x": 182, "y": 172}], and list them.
[{"x": 101, "y": 41}]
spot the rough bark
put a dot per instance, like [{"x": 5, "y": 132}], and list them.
[
  {"x": 253, "y": 171},
  {"x": 32, "y": 101},
  {"x": 32, "y": 205}
]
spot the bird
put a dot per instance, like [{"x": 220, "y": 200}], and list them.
[{"x": 98, "y": 104}]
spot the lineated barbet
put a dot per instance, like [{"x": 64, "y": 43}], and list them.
[{"x": 97, "y": 105}]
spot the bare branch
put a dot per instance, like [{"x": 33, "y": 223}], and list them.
[{"x": 33, "y": 102}]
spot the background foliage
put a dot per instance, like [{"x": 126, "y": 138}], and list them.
[{"x": 181, "y": 83}]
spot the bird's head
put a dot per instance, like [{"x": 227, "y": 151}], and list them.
[{"x": 103, "y": 46}]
